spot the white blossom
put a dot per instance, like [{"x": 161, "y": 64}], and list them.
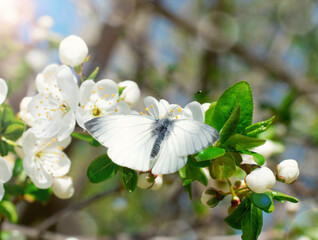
[
  {"x": 98, "y": 99},
  {"x": 73, "y": 51},
  {"x": 287, "y": 171},
  {"x": 260, "y": 180},
  {"x": 193, "y": 110},
  {"x": 269, "y": 148},
  {"x": 54, "y": 107},
  {"x": 5, "y": 175},
  {"x": 44, "y": 158},
  {"x": 63, "y": 187},
  {"x": 3, "y": 90},
  {"x": 131, "y": 92},
  {"x": 24, "y": 113}
]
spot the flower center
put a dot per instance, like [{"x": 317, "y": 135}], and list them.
[
  {"x": 64, "y": 108},
  {"x": 96, "y": 111}
]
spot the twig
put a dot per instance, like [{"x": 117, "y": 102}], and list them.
[
  {"x": 47, "y": 223},
  {"x": 296, "y": 81}
]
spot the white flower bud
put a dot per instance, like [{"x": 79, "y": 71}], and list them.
[
  {"x": 158, "y": 183},
  {"x": 24, "y": 113},
  {"x": 63, "y": 187},
  {"x": 145, "y": 180},
  {"x": 287, "y": 171},
  {"x": 73, "y": 50},
  {"x": 3, "y": 90},
  {"x": 260, "y": 179},
  {"x": 131, "y": 93}
]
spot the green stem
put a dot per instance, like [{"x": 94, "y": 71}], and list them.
[
  {"x": 231, "y": 189},
  {"x": 10, "y": 142}
]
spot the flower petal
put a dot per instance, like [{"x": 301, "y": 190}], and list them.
[
  {"x": 46, "y": 79},
  {"x": 3, "y": 90},
  {"x": 196, "y": 111},
  {"x": 86, "y": 91},
  {"x": 28, "y": 141},
  {"x": 67, "y": 126},
  {"x": 56, "y": 163},
  {"x": 1, "y": 191},
  {"x": 67, "y": 82},
  {"x": 107, "y": 88},
  {"x": 5, "y": 170},
  {"x": 153, "y": 107}
]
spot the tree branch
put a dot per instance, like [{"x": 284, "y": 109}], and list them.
[
  {"x": 296, "y": 81},
  {"x": 47, "y": 223}
]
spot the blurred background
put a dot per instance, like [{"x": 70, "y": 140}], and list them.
[{"x": 173, "y": 49}]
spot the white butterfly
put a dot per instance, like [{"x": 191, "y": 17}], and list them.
[{"x": 159, "y": 140}]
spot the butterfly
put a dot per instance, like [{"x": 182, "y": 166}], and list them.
[{"x": 158, "y": 140}]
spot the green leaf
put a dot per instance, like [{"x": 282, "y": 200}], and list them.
[
  {"x": 42, "y": 195},
  {"x": 78, "y": 69},
  {"x": 6, "y": 116},
  {"x": 8, "y": 210},
  {"x": 223, "y": 167},
  {"x": 210, "y": 153},
  {"x": 209, "y": 114},
  {"x": 101, "y": 169},
  {"x": 93, "y": 74},
  {"x": 189, "y": 174},
  {"x": 86, "y": 137},
  {"x": 4, "y": 148},
  {"x": 282, "y": 196},
  {"x": 188, "y": 190},
  {"x": 230, "y": 125},
  {"x": 238, "y": 94},
  {"x": 129, "y": 178},
  {"x": 234, "y": 219},
  {"x": 252, "y": 223},
  {"x": 257, "y": 128},
  {"x": 258, "y": 158},
  {"x": 240, "y": 142},
  {"x": 18, "y": 167},
  {"x": 192, "y": 162},
  {"x": 263, "y": 201},
  {"x": 14, "y": 131}
]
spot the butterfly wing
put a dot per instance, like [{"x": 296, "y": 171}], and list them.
[
  {"x": 186, "y": 137},
  {"x": 129, "y": 139}
]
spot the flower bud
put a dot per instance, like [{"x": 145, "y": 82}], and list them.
[
  {"x": 73, "y": 51},
  {"x": 287, "y": 171},
  {"x": 260, "y": 179},
  {"x": 211, "y": 197},
  {"x": 63, "y": 187},
  {"x": 3, "y": 90},
  {"x": 145, "y": 180},
  {"x": 131, "y": 92},
  {"x": 158, "y": 183}
]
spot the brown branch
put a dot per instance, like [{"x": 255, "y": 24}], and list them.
[
  {"x": 47, "y": 223},
  {"x": 268, "y": 65}
]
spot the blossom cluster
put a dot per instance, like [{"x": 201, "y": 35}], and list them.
[{"x": 62, "y": 101}]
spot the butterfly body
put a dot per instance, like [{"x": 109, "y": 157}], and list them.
[
  {"x": 162, "y": 128},
  {"x": 159, "y": 142}
]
